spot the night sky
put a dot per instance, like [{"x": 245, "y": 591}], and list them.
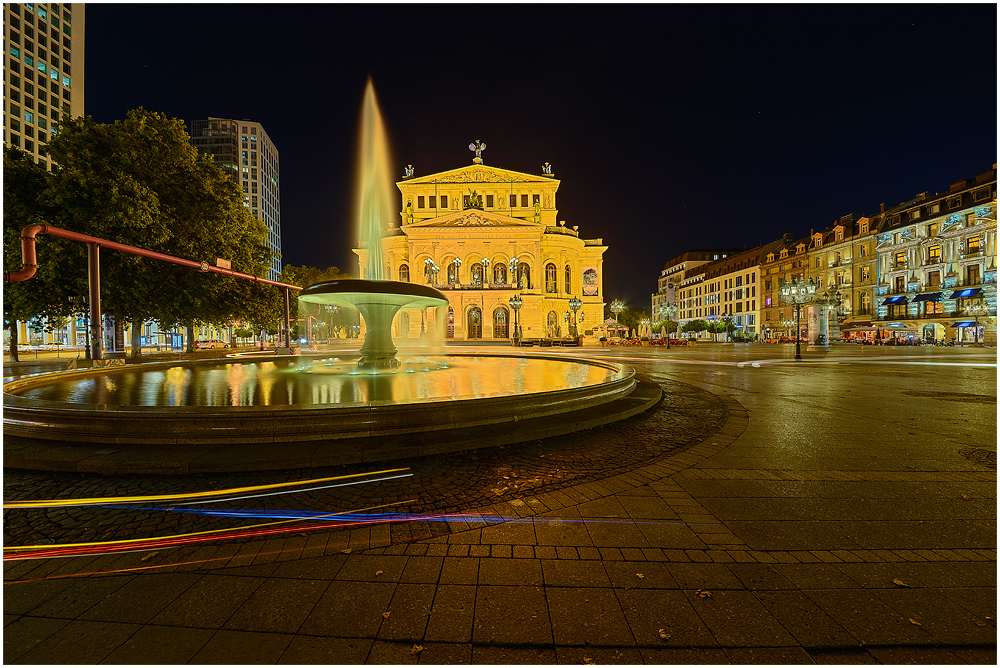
[{"x": 670, "y": 127}]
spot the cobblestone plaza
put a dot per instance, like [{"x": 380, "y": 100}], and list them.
[{"x": 837, "y": 510}]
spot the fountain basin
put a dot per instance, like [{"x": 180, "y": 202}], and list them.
[{"x": 74, "y": 433}]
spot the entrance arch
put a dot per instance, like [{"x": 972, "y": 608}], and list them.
[
  {"x": 474, "y": 329},
  {"x": 501, "y": 330},
  {"x": 552, "y": 324},
  {"x": 450, "y": 331}
]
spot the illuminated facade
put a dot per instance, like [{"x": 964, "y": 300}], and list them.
[
  {"x": 461, "y": 230},
  {"x": 243, "y": 150},
  {"x": 674, "y": 271},
  {"x": 937, "y": 263}
]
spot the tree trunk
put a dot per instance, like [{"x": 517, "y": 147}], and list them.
[
  {"x": 14, "y": 331},
  {"x": 189, "y": 328},
  {"x": 137, "y": 340}
]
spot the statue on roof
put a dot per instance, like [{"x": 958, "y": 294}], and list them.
[
  {"x": 478, "y": 147},
  {"x": 547, "y": 169},
  {"x": 408, "y": 171}
]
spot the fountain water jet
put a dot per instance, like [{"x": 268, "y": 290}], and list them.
[{"x": 378, "y": 300}]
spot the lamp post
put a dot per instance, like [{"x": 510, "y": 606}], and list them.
[
  {"x": 727, "y": 320},
  {"x": 513, "y": 272},
  {"x": 977, "y": 311},
  {"x": 835, "y": 300},
  {"x": 798, "y": 293},
  {"x": 575, "y": 304},
  {"x": 432, "y": 270},
  {"x": 617, "y": 306},
  {"x": 515, "y": 305},
  {"x": 486, "y": 268},
  {"x": 457, "y": 262}
]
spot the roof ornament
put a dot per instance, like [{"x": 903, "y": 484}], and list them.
[
  {"x": 478, "y": 147},
  {"x": 547, "y": 169},
  {"x": 407, "y": 171}
]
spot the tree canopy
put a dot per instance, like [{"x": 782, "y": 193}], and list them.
[{"x": 139, "y": 181}]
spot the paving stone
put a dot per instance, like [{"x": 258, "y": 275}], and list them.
[
  {"x": 460, "y": 570},
  {"x": 23, "y": 634},
  {"x": 310, "y": 650},
  {"x": 602, "y": 656},
  {"x": 514, "y": 615},
  {"x": 278, "y": 605},
  {"x": 160, "y": 645},
  {"x": 684, "y": 656},
  {"x": 349, "y": 610},
  {"x": 587, "y": 616},
  {"x": 803, "y": 619},
  {"x": 501, "y": 551},
  {"x": 366, "y": 567},
  {"x": 451, "y": 614},
  {"x": 767, "y": 655},
  {"x": 510, "y": 656},
  {"x": 86, "y": 641},
  {"x": 574, "y": 573},
  {"x": 210, "y": 602},
  {"x": 409, "y": 611},
  {"x": 493, "y": 571},
  {"x": 867, "y": 619}
]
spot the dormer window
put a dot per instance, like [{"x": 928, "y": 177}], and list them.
[
  {"x": 864, "y": 227},
  {"x": 801, "y": 248},
  {"x": 784, "y": 252},
  {"x": 818, "y": 240},
  {"x": 770, "y": 257},
  {"x": 840, "y": 234}
]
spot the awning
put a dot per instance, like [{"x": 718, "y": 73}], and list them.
[
  {"x": 928, "y": 297},
  {"x": 964, "y": 323},
  {"x": 855, "y": 325},
  {"x": 898, "y": 299},
  {"x": 966, "y": 293}
]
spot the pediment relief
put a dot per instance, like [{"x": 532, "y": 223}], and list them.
[{"x": 472, "y": 218}]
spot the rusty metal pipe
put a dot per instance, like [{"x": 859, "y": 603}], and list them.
[{"x": 30, "y": 264}]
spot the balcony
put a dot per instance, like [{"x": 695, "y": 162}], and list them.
[{"x": 975, "y": 252}]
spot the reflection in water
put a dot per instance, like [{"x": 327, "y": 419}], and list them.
[{"x": 322, "y": 382}]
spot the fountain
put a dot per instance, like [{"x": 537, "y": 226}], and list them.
[
  {"x": 259, "y": 411},
  {"x": 378, "y": 300}
]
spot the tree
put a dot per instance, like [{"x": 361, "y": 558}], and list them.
[
  {"x": 305, "y": 276},
  {"x": 140, "y": 182},
  {"x": 694, "y": 326},
  {"x": 46, "y": 294}
]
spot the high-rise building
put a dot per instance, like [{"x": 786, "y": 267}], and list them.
[
  {"x": 43, "y": 72},
  {"x": 243, "y": 150}
]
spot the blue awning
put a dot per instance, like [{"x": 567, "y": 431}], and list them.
[
  {"x": 927, "y": 297},
  {"x": 966, "y": 293},
  {"x": 964, "y": 323},
  {"x": 898, "y": 299}
]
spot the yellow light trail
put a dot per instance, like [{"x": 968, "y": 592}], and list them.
[
  {"x": 196, "y": 533},
  {"x": 57, "y": 503}
]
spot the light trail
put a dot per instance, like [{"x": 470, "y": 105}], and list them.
[
  {"x": 179, "y": 539},
  {"x": 59, "y": 503},
  {"x": 291, "y": 491}
]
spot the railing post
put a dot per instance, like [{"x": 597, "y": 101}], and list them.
[
  {"x": 94, "y": 279},
  {"x": 288, "y": 333}
]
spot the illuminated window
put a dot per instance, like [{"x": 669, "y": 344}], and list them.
[
  {"x": 550, "y": 277},
  {"x": 864, "y": 227},
  {"x": 568, "y": 277},
  {"x": 934, "y": 254},
  {"x": 29, "y": 117},
  {"x": 432, "y": 201},
  {"x": 972, "y": 245},
  {"x": 524, "y": 201},
  {"x": 865, "y": 274},
  {"x": 444, "y": 201}
]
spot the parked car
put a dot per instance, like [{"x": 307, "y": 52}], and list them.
[{"x": 205, "y": 345}]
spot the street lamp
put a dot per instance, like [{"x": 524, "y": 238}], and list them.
[
  {"x": 727, "y": 319},
  {"x": 515, "y": 305},
  {"x": 669, "y": 310},
  {"x": 798, "y": 293},
  {"x": 432, "y": 270},
  {"x": 575, "y": 304},
  {"x": 486, "y": 269},
  {"x": 457, "y": 262},
  {"x": 513, "y": 272},
  {"x": 977, "y": 311}
]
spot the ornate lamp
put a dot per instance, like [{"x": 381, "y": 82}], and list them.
[
  {"x": 798, "y": 293},
  {"x": 575, "y": 304},
  {"x": 515, "y": 305}
]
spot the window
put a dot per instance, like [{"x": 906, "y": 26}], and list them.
[
  {"x": 29, "y": 117},
  {"x": 981, "y": 194},
  {"x": 550, "y": 277},
  {"x": 569, "y": 279},
  {"x": 865, "y": 274},
  {"x": 840, "y": 235},
  {"x": 863, "y": 251},
  {"x": 900, "y": 259},
  {"x": 864, "y": 227},
  {"x": 404, "y": 273},
  {"x": 432, "y": 201},
  {"x": 933, "y": 278},
  {"x": 934, "y": 254},
  {"x": 444, "y": 201},
  {"x": 955, "y": 202},
  {"x": 489, "y": 201},
  {"x": 972, "y": 245},
  {"x": 914, "y": 214},
  {"x": 900, "y": 284},
  {"x": 818, "y": 260},
  {"x": 934, "y": 208},
  {"x": 971, "y": 272},
  {"x": 536, "y": 199},
  {"x": 524, "y": 201},
  {"x": 420, "y": 201},
  {"x": 513, "y": 201}
]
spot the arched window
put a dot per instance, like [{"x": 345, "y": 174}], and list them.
[
  {"x": 550, "y": 277},
  {"x": 523, "y": 276},
  {"x": 451, "y": 323},
  {"x": 500, "y": 328},
  {"x": 404, "y": 273},
  {"x": 569, "y": 279},
  {"x": 475, "y": 325},
  {"x": 866, "y": 303},
  {"x": 452, "y": 273},
  {"x": 500, "y": 273},
  {"x": 477, "y": 274},
  {"x": 552, "y": 324}
]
